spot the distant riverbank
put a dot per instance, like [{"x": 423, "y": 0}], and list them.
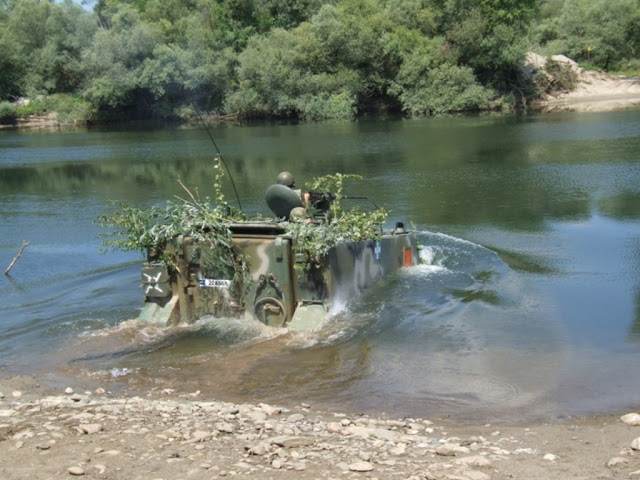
[{"x": 595, "y": 92}]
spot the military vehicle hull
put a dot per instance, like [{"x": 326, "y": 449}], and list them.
[{"x": 282, "y": 290}]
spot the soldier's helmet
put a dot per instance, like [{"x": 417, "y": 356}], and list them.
[
  {"x": 297, "y": 214},
  {"x": 286, "y": 178}
]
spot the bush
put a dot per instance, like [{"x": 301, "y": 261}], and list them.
[
  {"x": 444, "y": 89},
  {"x": 35, "y": 106},
  {"x": 630, "y": 68},
  {"x": 8, "y": 114},
  {"x": 339, "y": 106},
  {"x": 70, "y": 109},
  {"x": 556, "y": 77}
]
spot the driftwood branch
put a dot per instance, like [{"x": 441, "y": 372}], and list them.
[{"x": 15, "y": 259}]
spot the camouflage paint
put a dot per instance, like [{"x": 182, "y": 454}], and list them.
[{"x": 279, "y": 294}]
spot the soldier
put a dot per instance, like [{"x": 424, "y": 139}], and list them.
[
  {"x": 298, "y": 214},
  {"x": 286, "y": 179}
]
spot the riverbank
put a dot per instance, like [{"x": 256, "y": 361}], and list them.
[
  {"x": 596, "y": 92},
  {"x": 172, "y": 434}
]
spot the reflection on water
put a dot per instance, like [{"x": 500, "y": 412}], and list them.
[{"x": 526, "y": 307}]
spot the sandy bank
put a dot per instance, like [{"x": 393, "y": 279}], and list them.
[
  {"x": 170, "y": 434},
  {"x": 597, "y": 92}
]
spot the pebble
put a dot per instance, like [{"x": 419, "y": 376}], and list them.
[
  {"x": 296, "y": 417},
  {"x": 366, "y": 456},
  {"x": 450, "y": 450},
  {"x": 476, "y": 461},
  {"x": 361, "y": 467},
  {"x": 632, "y": 419},
  {"x": 257, "y": 450},
  {"x": 68, "y": 390},
  {"x": 16, "y": 394},
  {"x": 269, "y": 410},
  {"x": 334, "y": 427},
  {"x": 475, "y": 475},
  {"x": 225, "y": 428},
  {"x": 635, "y": 444},
  {"x": 78, "y": 471},
  {"x": 91, "y": 428},
  {"x": 550, "y": 457},
  {"x": 292, "y": 442},
  {"x": 617, "y": 462}
]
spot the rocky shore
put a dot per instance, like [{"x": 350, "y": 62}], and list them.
[{"x": 169, "y": 434}]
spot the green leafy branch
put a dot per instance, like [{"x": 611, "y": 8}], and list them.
[
  {"x": 315, "y": 240},
  {"x": 151, "y": 230}
]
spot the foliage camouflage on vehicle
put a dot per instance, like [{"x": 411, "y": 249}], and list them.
[
  {"x": 279, "y": 294},
  {"x": 210, "y": 260}
]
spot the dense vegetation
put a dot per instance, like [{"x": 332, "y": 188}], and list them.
[{"x": 305, "y": 59}]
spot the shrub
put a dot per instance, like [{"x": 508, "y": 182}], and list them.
[
  {"x": 444, "y": 89},
  {"x": 556, "y": 77},
  {"x": 325, "y": 106},
  {"x": 70, "y": 109},
  {"x": 8, "y": 114}
]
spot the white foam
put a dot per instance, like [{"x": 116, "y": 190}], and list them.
[{"x": 452, "y": 238}]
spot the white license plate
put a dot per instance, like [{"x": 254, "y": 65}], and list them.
[{"x": 210, "y": 282}]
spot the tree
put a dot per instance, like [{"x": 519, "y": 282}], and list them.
[
  {"x": 602, "y": 32},
  {"x": 115, "y": 61},
  {"x": 489, "y": 36}
]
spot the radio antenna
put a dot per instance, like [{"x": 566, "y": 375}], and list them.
[{"x": 233, "y": 184}]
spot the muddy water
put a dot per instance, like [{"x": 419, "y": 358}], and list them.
[{"x": 527, "y": 306}]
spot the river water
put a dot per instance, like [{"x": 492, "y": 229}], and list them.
[{"x": 527, "y": 308}]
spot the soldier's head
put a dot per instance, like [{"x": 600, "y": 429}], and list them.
[
  {"x": 297, "y": 214},
  {"x": 286, "y": 178}
]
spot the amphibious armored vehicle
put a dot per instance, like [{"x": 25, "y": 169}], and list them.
[{"x": 283, "y": 289}]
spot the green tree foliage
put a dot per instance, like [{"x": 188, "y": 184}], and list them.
[
  {"x": 441, "y": 89},
  {"x": 600, "y": 32},
  {"x": 7, "y": 114},
  {"x": 307, "y": 59},
  {"x": 44, "y": 42},
  {"x": 116, "y": 60},
  {"x": 288, "y": 73},
  {"x": 489, "y": 36},
  {"x": 11, "y": 70}
]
